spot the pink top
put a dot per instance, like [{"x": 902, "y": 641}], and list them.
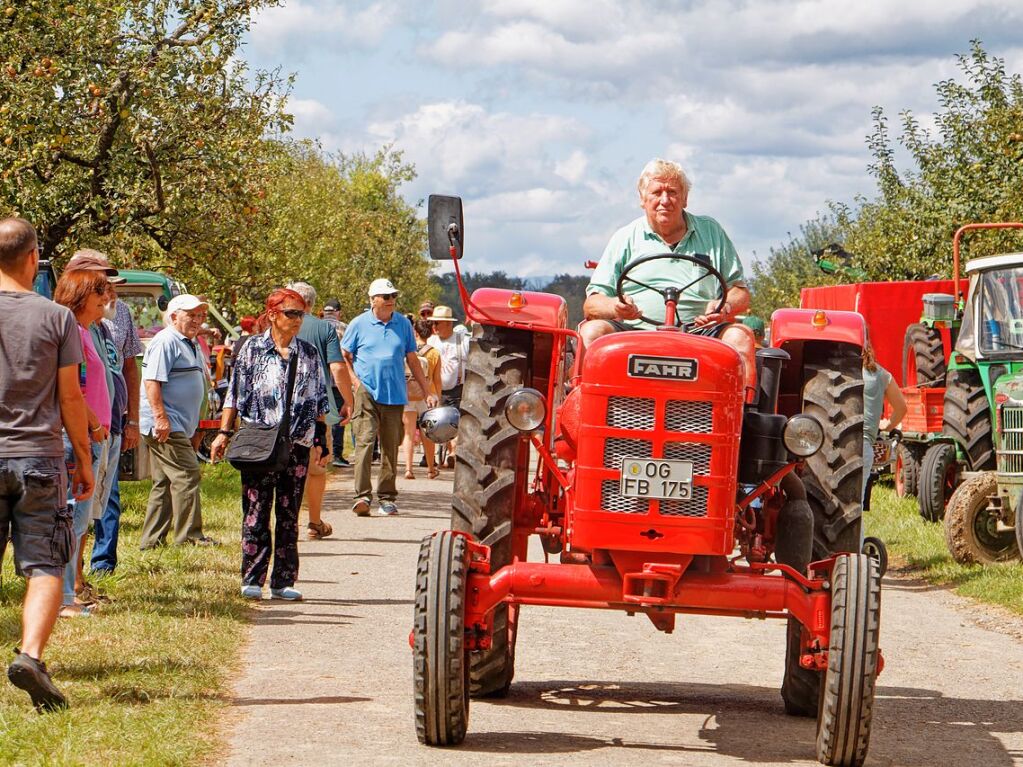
[{"x": 97, "y": 396}]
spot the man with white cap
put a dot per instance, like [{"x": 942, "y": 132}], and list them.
[
  {"x": 376, "y": 346},
  {"x": 173, "y": 386}
]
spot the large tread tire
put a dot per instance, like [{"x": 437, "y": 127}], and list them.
[
  {"x": 967, "y": 418},
  {"x": 907, "y": 470},
  {"x": 1018, "y": 525},
  {"x": 800, "y": 687},
  {"x": 939, "y": 475},
  {"x": 923, "y": 357},
  {"x": 970, "y": 528},
  {"x": 833, "y": 476},
  {"x": 487, "y": 478},
  {"x": 847, "y": 695},
  {"x": 440, "y": 669}
]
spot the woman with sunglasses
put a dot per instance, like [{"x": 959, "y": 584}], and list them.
[{"x": 257, "y": 393}]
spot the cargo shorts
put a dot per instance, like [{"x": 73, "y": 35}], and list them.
[{"x": 34, "y": 514}]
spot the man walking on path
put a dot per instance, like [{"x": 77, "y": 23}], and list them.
[
  {"x": 376, "y": 346},
  {"x": 322, "y": 335},
  {"x": 173, "y": 377},
  {"x": 40, "y": 354}
]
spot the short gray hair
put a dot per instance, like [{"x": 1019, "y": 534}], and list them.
[
  {"x": 658, "y": 168},
  {"x": 307, "y": 291}
]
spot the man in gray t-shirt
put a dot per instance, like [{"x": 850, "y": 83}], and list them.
[{"x": 40, "y": 355}]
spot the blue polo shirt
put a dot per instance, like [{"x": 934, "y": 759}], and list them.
[
  {"x": 378, "y": 349},
  {"x": 176, "y": 362}
]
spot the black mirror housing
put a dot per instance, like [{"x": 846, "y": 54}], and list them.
[{"x": 444, "y": 226}]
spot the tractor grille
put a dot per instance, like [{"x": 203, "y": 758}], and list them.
[
  {"x": 691, "y": 507},
  {"x": 630, "y": 413},
  {"x": 612, "y": 500},
  {"x": 688, "y": 451},
  {"x": 689, "y": 416},
  {"x": 1010, "y": 453},
  {"x": 616, "y": 449}
]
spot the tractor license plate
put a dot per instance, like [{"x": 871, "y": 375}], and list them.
[{"x": 646, "y": 478}]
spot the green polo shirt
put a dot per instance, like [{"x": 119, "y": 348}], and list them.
[{"x": 703, "y": 235}]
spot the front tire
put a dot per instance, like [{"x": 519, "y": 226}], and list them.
[
  {"x": 967, "y": 417},
  {"x": 907, "y": 471},
  {"x": 939, "y": 475},
  {"x": 971, "y": 526}
]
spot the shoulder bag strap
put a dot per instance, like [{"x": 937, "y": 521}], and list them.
[{"x": 286, "y": 418}]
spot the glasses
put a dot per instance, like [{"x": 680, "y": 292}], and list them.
[
  {"x": 388, "y": 296},
  {"x": 292, "y": 314}
]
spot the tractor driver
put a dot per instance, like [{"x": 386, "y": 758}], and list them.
[{"x": 667, "y": 226}]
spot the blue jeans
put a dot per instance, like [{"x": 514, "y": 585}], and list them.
[
  {"x": 80, "y": 519},
  {"x": 106, "y": 528}
]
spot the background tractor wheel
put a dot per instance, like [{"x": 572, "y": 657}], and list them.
[
  {"x": 847, "y": 696},
  {"x": 440, "y": 669},
  {"x": 971, "y": 528},
  {"x": 491, "y": 471},
  {"x": 833, "y": 393},
  {"x": 907, "y": 470},
  {"x": 923, "y": 357},
  {"x": 967, "y": 417},
  {"x": 800, "y": 687},
  {"x": 939, "y": 475},
  {"x": 876, "y": 550}
]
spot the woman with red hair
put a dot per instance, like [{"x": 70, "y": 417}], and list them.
[{"x": 257, "y": 393}]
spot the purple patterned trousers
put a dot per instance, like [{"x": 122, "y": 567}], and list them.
[{"x": 257, "y": 498}]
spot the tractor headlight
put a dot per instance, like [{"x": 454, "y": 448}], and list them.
[
  {"x": 526, "y": 409},
  {"x": 803, "y": 435}
]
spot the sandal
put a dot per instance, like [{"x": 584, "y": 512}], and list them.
[
  {"x": 90, "y": 595},
  {"x": 433, "y": 473},
  {"x": 319, "y": 530},
  {"x": 77, "y": 611},
  {"x": 409, "y": 475}
]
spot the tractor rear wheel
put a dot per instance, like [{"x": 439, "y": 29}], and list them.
[
  {"x": 971, "y": 526},
  {"x": 907, "y": 470},
  {"x": 847, "y": 695},
  {"x": 923, "y": 357},
  {"x": 967, "y": 417},
  {"x": 833, "y": 476},
  {"x": 440, "y": 668},
  {"x": 489, "y": 475},
  {"x": 939, "y": 475}
]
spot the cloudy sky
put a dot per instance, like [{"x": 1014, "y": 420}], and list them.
[{"x": 541, "y": 113}]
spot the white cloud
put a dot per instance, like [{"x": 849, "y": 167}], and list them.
[
  {"x": 299, "y": 26},
  {"x": 313, "y": 119}
]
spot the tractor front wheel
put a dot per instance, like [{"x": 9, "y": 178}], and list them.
[
  {"x": 847, "y": 694},
  {"x": 440, "y": 662},
  {"x": 907, "y": 470},
  {"x": 972, "y": 529},
  {"x": 939, "y": 475}
]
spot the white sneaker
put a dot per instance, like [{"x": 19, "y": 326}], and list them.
[{"x": 388, "y": 508}]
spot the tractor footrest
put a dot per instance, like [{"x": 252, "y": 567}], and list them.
[{"x": 655, "y": 585}]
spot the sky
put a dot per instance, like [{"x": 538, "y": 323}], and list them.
[{"x": 540, "y": 114}]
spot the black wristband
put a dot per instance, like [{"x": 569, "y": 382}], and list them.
[
  {"x": 225, "y": 432},
  {"x": 320, "y": 435}
]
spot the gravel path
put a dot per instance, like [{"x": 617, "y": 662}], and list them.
[{"x": 328, "y": 680}]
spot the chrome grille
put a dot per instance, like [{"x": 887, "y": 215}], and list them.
[
  {"x": 630, "y": 413},
  {"x": 611, "y": 499},
  {"x": 689, "y": 451},
  {"x": 1010, "y": 452},
  {"x": 616, "y": 449},
  {"x": 686, "y": 415},
  {"x": 691, "y": 507}
]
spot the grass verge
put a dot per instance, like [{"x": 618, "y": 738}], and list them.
[
  {"x": 147, "y": 676},
  {"x": 920, "y": 547}
]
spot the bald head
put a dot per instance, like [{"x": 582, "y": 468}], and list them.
[{"x": 17, "y": 240}]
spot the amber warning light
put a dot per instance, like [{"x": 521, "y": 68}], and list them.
[
  {"x": 820, "y": 319},
  {"x": 516, "y": 302}
]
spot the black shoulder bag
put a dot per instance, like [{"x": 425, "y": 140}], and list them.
[{"x": 265, "y": 449}]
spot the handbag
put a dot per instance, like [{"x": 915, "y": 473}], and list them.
[{"x": 266, "y": 449}]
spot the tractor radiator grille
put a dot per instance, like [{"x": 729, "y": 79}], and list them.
[
  {"x": 616, "y": 449},
  {"x": 630, "y": 413},
  {"x": 612, "y": 500},
  {"x": 1010, "y": 453},
  {"x": 689, "y": 451},
  {"x": 690, "y": 416},
  {"x": 691, "y": 507}
]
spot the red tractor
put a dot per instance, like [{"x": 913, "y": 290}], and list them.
[{"x": 656, "y": 485}]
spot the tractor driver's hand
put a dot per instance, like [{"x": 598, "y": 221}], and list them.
[
  {"x": 711, "y": 317},
  {"x": 626, "y": 310}
]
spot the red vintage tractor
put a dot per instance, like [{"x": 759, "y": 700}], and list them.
[{"x": 660, "y": 487}]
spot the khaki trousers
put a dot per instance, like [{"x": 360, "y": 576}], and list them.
[
  {"x": 174, "y": 499},
  {"x": 370, "y": 422}
]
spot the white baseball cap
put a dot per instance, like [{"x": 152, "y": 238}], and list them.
[
  {"x": 381, "y": 287},
  {"x": 184, "y": 303}
]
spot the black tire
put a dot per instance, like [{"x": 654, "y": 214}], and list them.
[
  {"x": 923, "y": 357},
  {"x": 440, "y": 669},
  {"x": 907, "y": 470},
  {"x": 1019, "y": 527},
  {"x": 847, "y": 695},
  {"x": 488, "y": 476},
  {"x": 833, "y": 476},
  {"x": 939, "y": 475},
  {"x": 876, "y": 550},
  {"x": 970, "y": 530},
  {"x": 800, "y": 687},
  {"x": 206, "y": 445},
  {"x": 967, "y": 418}
]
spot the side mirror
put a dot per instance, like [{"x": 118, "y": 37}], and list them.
[
  {"x": 162, "y": 303},
  {"x": 444, "y": 225}
]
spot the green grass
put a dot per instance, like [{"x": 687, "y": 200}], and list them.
[
  {"x": 919, "y": 547},
  {"x": 147, "y": 676}
]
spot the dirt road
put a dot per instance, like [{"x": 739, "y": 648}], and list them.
[{"x": 328, "y": 681}]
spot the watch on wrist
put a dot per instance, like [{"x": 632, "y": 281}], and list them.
[{"x": 225, "y": 432}]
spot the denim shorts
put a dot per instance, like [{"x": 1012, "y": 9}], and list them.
[{"x": 34, "y": 514}]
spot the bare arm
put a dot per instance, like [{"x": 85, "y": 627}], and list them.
[
  {"x": 74, "y": 416},
  {"x": 894, "y": 396},
  {"x": 131, "y": 380},
  {"x": 737, "y": 301},
  {"x": 343, "y": 381},
  {"x": 219, "y": 446},
  {"x": 601, "y": 307},
  {"x": 349, "y": 359},
  {"x": 154, "y": 393}
]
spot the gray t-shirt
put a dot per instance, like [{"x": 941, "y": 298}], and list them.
[
  {"x": 37, "y": 337},
  {"x": 874, "y": 385}
]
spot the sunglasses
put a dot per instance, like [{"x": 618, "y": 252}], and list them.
[
  {"x": 388, "y": 296},
  {"x": 292, "y": 314}
]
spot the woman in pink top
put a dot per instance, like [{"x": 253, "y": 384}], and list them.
[{"x": 84, "y": 293}]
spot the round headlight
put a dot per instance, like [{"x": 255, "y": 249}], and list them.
[
  {"x": 526, "y": 409},
  {"x": 803, "y": 435}
]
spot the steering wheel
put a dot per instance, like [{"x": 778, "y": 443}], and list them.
[{"x": 672, "y": 293}]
